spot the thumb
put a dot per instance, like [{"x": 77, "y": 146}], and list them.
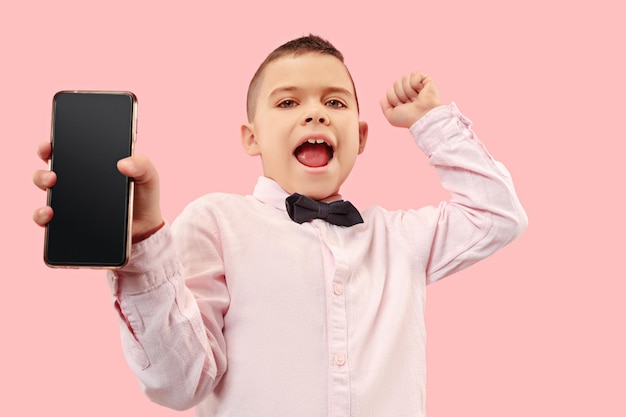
[
  {"x": 139, "y": 168},
  {"x": 147, "y": 217}
]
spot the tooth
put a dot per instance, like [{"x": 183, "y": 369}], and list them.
[
  {"x": 311, "y": 140},
  {"x": 320, "y": 141}
]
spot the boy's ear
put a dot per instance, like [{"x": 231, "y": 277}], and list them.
[
  {"x": 248, "y": 139},
  {"x": 363, "y": 130}
]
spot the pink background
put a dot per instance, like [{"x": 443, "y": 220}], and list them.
[{"x": 536, "y": 330}]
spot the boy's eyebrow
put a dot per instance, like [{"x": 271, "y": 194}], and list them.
[{"x": 326, "y": 90}]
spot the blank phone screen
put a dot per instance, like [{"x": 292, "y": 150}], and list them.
[{"x": 90, "y": 200}]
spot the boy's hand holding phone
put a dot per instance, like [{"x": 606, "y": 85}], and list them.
[
  {"x": 409, "y": 99},
  {"x": 147, "y": 216}
]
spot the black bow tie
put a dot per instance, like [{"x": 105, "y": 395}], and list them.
[{"x": 341, "y": 213}]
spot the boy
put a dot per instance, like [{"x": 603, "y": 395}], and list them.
[{"x": 252, "y": 306}]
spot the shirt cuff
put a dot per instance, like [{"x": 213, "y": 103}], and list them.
[
  {"x": 152, "y": 262},
  {"x": 438, "y": 126}
]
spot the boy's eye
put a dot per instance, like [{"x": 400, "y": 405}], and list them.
[
  {"x": 335, "y": 103},
  {"x": 287, "y": 103}
]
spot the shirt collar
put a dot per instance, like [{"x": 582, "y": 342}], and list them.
[{"x": 270, "y": 192}]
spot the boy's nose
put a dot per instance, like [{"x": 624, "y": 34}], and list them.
[{"x": 316, "y": 115}]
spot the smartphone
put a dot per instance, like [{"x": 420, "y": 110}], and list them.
[{"x": 91, "y": 200}]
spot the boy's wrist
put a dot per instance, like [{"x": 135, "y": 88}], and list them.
[{"x": 423, "y": 112}]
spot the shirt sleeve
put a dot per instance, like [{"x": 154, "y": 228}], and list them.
[
  {"x": 483, "y": 213},
  {"x": 171, "y": 329}
]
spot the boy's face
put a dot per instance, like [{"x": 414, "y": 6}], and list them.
[{"x": 306, "y": 126}]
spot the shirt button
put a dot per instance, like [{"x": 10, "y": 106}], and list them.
[
  {"x": 338, "y": 289},
  {"x": 340, "y": 359}
]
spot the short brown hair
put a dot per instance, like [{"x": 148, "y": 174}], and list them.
[{"x": 295, "y": 47}]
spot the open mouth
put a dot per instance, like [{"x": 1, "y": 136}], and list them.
[{"x": 314, "y": 153}]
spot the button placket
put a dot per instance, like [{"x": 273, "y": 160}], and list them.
[
  {"x": 338, "y": 336},
  {"x": 335, "y": 279}
]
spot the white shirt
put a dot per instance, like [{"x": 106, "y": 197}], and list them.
[{"x": 240, "y": 311}]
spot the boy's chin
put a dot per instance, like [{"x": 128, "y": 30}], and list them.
[{"x": 317, "y": 184}]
